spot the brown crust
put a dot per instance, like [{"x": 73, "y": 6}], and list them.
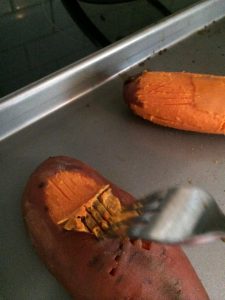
[{"x": 108, "y": 269}]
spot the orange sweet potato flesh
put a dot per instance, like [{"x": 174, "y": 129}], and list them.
[
  {"x": 109, "y": 269},
  {"x": 187, "y": 101}
]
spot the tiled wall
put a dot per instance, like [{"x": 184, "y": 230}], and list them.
[
  {"x": 38, "y": 37},
  {"x": 34, "y": 40}
]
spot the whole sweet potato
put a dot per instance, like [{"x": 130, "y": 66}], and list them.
[
  {"x": 91, "y": 268},
  {"x": 187, "y": 101}
]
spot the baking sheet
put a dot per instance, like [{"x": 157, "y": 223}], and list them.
[{"x": 99, "y": 129}]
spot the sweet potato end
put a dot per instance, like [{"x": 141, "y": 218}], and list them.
[{"x": 186, "y": 101}]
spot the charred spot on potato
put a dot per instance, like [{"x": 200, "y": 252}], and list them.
[
  {"x": 145, "y": 245},
  {"x": 163, "y": 253},
  {"x": 148, "y": 281},
  {"x": 119, "y": 252},
  {"x": 119, "y": 279},
  {"x": 133, "y": 78},
  {"x": 46, "y": 208},
  {"x": 172, "y": 289},
  {"x": 98, "y": 215},
  {"x": 141, "y": 244},
  {"x": 121, "y": 245},
  {"x": 132, "y": 256},
  {"x": 96, "y": 263},
  {"x": 117, "y": 257},
  {"x": 41, "y": 185},
  {"x": 133, "y": 242},
  {"x": 113, "y": 272}
]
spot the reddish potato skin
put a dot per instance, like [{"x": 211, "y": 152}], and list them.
[{"x": 85, "y": 266}]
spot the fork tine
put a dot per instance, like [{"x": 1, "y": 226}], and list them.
[
  {"x": 156, "y": 200},
  {"x": 143, "y": 218},
  {"x": 151, "y": 203},
  {"x": 176, "y": 216},
  {"x": 118, "y": 229},
  {"x": 136, "y": 231}
]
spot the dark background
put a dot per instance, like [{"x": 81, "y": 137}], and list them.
[{"x": 38, "y": 37}]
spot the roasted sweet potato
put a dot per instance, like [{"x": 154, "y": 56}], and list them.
[
  {"x": 186, "y": 101},
  {"x": 57, "y": 207}
]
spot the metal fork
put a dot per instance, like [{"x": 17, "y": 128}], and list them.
[{"x": 177, "y": 216}]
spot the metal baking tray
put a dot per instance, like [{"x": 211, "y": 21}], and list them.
[{"x": 79, "y": 112}]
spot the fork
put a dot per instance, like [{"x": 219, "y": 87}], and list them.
[{"x": 183, "y": 215}]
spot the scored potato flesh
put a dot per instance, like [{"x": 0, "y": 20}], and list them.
[{"x": 98, "y": 215}]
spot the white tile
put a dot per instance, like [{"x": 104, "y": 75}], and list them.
[
  {"x": 60, "y": 15},
  {"x": 46, "y": 69},
  {"x": 60, "y": 44},
  {"x": 13, "y": 63},
  {"x": 15, "y": 82},
  {"x": 73, "y": 58},
  {"x": 175, "y": 5},
  {"x": 67, "y": 60},
  {"x": 24, "y": 26},
  {"x": 19, "y": 4},
  {"x": 119, "y": 20},
  {"x": 8, "y": 86},
  {"x": 5, "y": 7}
]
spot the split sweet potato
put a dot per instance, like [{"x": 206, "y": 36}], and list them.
[
  {"x": 186, "y": 101},
  {"x": 67, "y": 206}
]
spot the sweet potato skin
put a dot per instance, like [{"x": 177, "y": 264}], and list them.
[
  {"x": 186, "y": 101},
  {"x": 106, "y": 269}
]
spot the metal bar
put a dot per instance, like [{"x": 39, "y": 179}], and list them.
[{"x": 42, "y": 98}]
